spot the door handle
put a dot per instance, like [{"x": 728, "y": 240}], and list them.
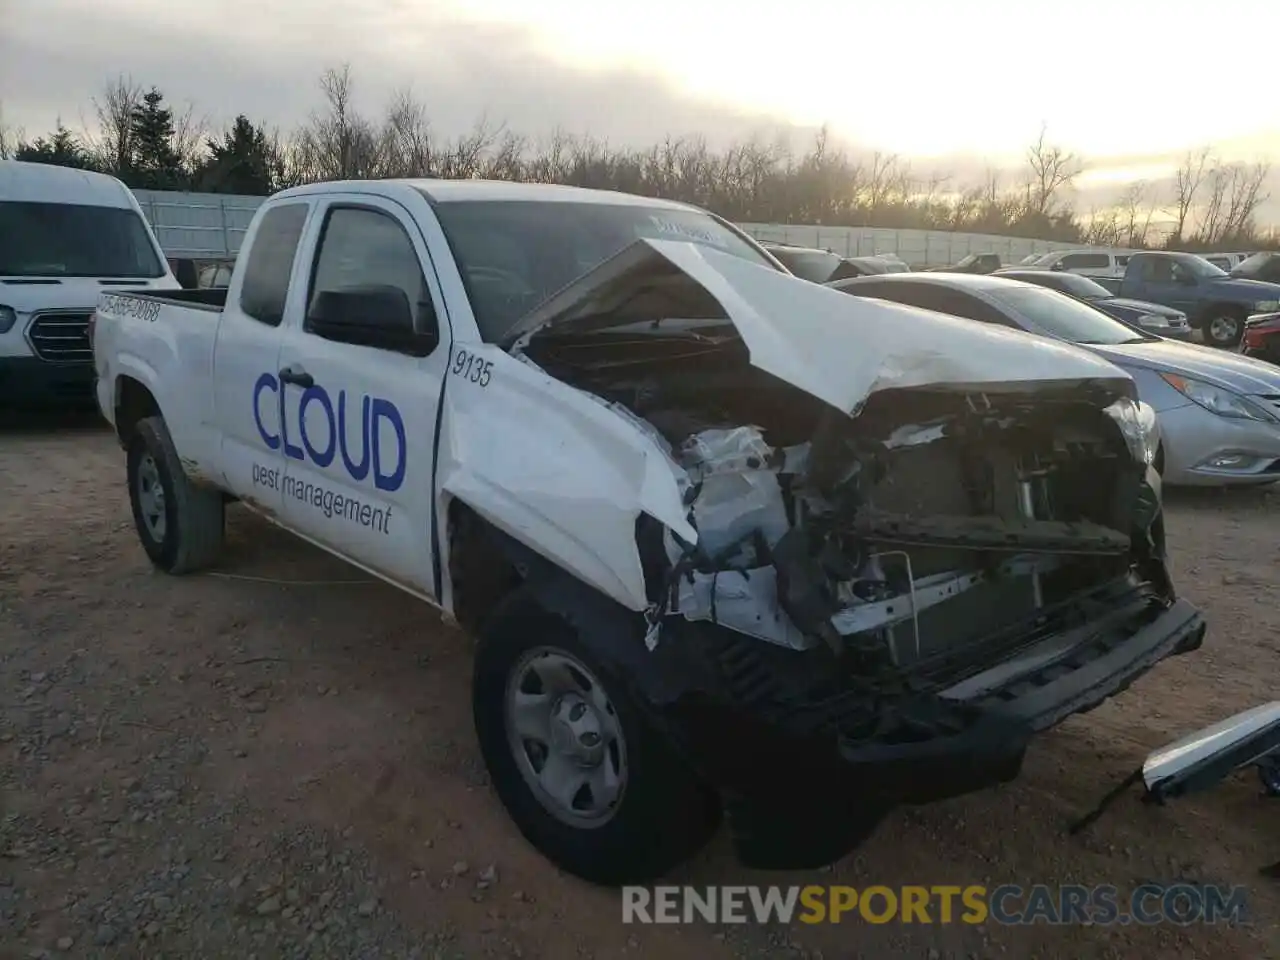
[{"x": 297, "y": 376}]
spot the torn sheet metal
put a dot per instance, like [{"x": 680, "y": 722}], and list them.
[{"x": 834, "y": 346}]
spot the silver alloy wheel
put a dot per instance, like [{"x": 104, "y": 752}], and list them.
[
  {"x": 151, "y": 497},
  {"x": 1223, "y": 329},
  {"x": 566, "y": 737}
]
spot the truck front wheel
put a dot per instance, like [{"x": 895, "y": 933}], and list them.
[
  {"x": 585, "y": 778},
  {"x": 180, "y": 524},
  {"x": 1223, "y": 328}
]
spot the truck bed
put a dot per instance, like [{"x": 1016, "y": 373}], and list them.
[{"x": 212, "y": 299}]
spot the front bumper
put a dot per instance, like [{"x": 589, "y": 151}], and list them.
[
  {"x": 30, "y": 383},
  {"x": 1204, "y": 449},
  {"x": 801, "y": 791}
]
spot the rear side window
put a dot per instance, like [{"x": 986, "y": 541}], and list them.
[
  {"x": 1086, "y": 261},
  {"x": 266, "y": 272},
  {"x": 934, "y": 297}
]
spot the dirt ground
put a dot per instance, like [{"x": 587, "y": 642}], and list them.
[{"x": 276, "y": 760}]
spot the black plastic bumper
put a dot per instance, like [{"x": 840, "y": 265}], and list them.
[
  {"x": 29, "y": 382},
  {"x": 803, "y": 800}
]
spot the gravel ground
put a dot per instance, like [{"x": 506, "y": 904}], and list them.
[{"x": 276, "y": 760}]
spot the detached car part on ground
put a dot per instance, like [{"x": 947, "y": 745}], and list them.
[{"x": 733, "y": 543}]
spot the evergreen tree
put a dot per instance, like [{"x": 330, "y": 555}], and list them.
[
  {"x": 246, "y": 162},
  {"x": 155, "y": 163},
  {"x": 61, "y": 148}
]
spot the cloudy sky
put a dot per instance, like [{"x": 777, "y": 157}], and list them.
[{"x": 1130, "y": 86}]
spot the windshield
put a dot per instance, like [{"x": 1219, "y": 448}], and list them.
[
  {"x": 1260, "y": 266},
  {"x": 513, "y": 254},
  {"x": 1066, "y": 318},
  {"x": 817, "y": 266},
  {"x": 1199, "y": 266},
  {"x": 966, "y": 261},
  {"x": 71, "y": 240}
]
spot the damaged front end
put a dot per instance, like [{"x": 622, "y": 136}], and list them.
[{"x": 896, "y": 582}]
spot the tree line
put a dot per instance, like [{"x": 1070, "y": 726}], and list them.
[{"x": 140, "y": 138}]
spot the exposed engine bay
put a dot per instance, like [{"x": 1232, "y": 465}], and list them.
[
  {"x": 920, "y": 540},
  {"x": 920, "y": 526}
]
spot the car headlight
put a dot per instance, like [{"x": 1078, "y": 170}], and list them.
[
  {"x": 8, "y": 317},
  {"x": 1153, "y": 320},
  {"x": 1266, "y": 306},
  {"x": 1216, "y": 400},
  {"x": 1138, "y": 424}
]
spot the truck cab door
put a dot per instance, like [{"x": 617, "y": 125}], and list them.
[
  {"x": 358, "y": 432},
  {"x": 1165, "y": 281},
  {"x": 246, "y": 392}
]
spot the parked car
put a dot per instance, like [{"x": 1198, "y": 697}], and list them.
[
  {"x": 1262, "y": 337},
  {"x": 1152, "y": 318},
  {"x": 1215, "y": 302},
  {"x": 202, "y": 273},
  {"x": 1226, "y": 261},
  {"x": 718, "y": 528},
  {"x": 823, "y": 266},
  {"x": 1088, "y": 263},
  {"x": 64, "y": 236},
  {"x": 1219, "y": 412},
  {"x": 973, "y": 263},
  {"x": 1263, "y": 266}
]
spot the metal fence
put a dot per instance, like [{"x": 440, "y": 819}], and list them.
[{"x": 214, "y": 224}]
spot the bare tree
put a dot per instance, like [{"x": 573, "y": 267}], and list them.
[
  {"x": 1213, "y": 217},
  {"x": 190, "y": 131},
  {"x": 1244, "y": 196},
  {"x": 1187, "y": 184},
  {"x": 9, "y": 137},
  {"x": 111, "y": 142},
  {"x": 338, "y": 143},
  {"x": 1051, "y": 169},
  {"x": 1137, "y": 209},
  {"x": 408, "y": 149}
]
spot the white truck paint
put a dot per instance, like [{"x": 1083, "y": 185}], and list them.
[
  {"x": 65, "y": 235},
  {"x": 389, "y": 350}
]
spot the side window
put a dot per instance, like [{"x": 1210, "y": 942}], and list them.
[
  {"x": 360, "y": 247},
  {"x": 266, "y": 271},
  {"x": 937, "y": 298},
  {"x": 1086, "y": 261}
]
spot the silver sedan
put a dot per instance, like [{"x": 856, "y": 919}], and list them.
[{"x": 1219, "y": 412}]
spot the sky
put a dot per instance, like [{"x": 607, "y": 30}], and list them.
[{"x": 959, "y": 86}]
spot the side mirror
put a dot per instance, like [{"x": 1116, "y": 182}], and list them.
[
  {"x": 371, "y": 316},
  {"x": 1058, "y": 266}
]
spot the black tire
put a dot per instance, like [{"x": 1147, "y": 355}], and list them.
[
  {"x": 665, "y": 814},
  {"x": 194, "y": 517},
  {"x": 1223, "y": 329}
]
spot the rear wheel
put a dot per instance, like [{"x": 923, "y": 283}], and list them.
[
  {"x": 180, "y": 524},
  {"x": 588, "y": 781},
  {"x": 1223, "y": 329}
]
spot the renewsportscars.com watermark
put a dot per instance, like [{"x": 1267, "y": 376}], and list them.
[{"x": 1009, "y": 904}]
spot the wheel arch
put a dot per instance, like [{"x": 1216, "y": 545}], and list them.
[{"x": 132, "y": 402}]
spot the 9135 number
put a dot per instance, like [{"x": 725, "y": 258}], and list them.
[{"x": 470, "y": 367}]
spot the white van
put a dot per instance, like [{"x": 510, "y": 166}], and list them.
[
  {"x": 65, "y": 235},
  {"x": 1106, "y": 264},
  {"x": 1226, "y": 262}
]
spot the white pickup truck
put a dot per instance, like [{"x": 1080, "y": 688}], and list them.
[{"x": 731, "y": 543}]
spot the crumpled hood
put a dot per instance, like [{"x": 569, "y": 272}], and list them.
[
  {"x": 1223, "y": 369},
  {"x": 1144, "y": 306},
  {"x": 837, "y": 347}
]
